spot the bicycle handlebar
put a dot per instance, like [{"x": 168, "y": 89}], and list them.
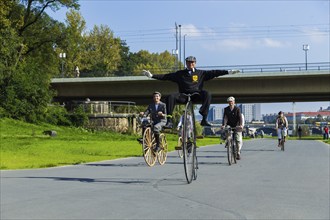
[{"x": 189, "y": 95}]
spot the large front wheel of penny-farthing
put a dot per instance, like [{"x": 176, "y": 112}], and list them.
[
  {"x": 162, "y": 154},
  {"x": 147, "y": 147},
  {"x": 188, "y": 142}
]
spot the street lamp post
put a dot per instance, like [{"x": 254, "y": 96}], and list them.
[
  {"x": 180, "y": 45},
  {"x": 306, "y": 48},
  {"x": 62, "y": 56}
]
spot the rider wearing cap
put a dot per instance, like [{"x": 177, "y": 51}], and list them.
[
  {"x": 232, "y": 116},
  {"x": 190, "y": 80}
]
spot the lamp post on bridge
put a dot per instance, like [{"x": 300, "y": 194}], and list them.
[
  {"x": 305, "y": 48},
  {"x": 62, "y": 56}
]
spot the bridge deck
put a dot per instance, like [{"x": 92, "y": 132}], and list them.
[{"x": 246, "y": 87}]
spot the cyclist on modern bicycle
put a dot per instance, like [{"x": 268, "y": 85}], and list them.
[
  {"x": 232, "y": 116},
  {"x": 281, "y": 123},
  {"x": 157, "y": 111},
  {"x": 180, "y": 124},
  {"x": 190, "y": 80}
]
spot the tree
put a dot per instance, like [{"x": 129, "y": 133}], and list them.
[
  {"x": 156, "y": 63},
  {"x": 34, "y": 10},
  {"x": 73, "y": 44},
  {"x": 27, "y": 57},
  {"x": 101, "y": 56}
]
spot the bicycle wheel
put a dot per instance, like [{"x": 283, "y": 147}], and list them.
[
  {"x": 282, "y": 144},
  {"x": 189, "y": 142},
  {"x": 147, "y": 147},
  {"x": 234, "y": 152},
  {"x": 162, "y": 154},
  {"x": 196, "y": 167},
  {"x": 179, "y": 147},
  {"x": 282, "y": 140},
  {"x": 229, "y": 149}
]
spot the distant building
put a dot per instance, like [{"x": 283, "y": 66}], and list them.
[
  {"x": 300, "y": 116},
  {"x": 305, "y": 115},
  {"x": 215, "y": 113},
  {"x": 251, "y": 112}
]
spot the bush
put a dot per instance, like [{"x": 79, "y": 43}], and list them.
[
  {"x": 79, "y": 117},
  {"x": 57, "y": 115}
]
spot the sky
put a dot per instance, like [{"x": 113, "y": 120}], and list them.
[{"x": 220, "y": 32}]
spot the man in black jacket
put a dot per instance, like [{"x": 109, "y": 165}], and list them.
[
  {"x": 190, "y": 80},
  {"x": 232, "y": 116}
]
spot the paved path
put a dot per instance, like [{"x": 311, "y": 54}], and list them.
[{"x": 265, "y": 184}]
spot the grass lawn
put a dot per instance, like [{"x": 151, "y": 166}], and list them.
[{"x": 24, "y": 145}]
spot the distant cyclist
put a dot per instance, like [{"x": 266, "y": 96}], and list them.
[
  {"x": 281, "y": 123},
  {"x": 232, "y": 116},
  {"x": 181, "y": 122},
  {"x": 190, "y": 80}
]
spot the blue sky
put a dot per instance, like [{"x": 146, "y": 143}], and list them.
[{"x": 220, "y": 33}]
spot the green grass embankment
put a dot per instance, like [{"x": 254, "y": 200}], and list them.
[{"x": 24, "y": 145}]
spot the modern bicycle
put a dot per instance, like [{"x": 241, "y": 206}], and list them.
[
  {"x": 149, "y": 144},
  {"x": 189, "y": 140},
  {"x": 179, "y": 147},
  {"x": 231, "y": 144},
  {"x": 282, "y": 141}
]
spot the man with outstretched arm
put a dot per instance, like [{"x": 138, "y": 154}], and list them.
[{"x": 190, "y": 80}]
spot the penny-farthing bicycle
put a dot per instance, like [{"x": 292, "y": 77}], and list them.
[
  {"x": 149, "y": 143},
  {"x": 189, "y": 141}
]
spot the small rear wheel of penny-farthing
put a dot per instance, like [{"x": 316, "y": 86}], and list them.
[{"x": 162, "y": 154}]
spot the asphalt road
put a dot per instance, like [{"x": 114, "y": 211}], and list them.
[{"x": 265, "y": 184}]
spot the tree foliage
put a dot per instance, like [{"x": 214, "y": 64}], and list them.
[
  {"x": 30, "y": 44},
  {"x": 101, "y": 54},
  {"x": 28, "y": 61}
]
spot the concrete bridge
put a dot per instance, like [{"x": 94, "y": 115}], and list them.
[{"x": 251, "y": 87}]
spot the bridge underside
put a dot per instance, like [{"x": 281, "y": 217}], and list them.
[{"x": 246, "y": 88}]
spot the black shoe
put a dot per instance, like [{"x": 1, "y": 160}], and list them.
[
  {"x": 140, "y": 140},
  {"x": 238, "y": 157},
  {"x": 189, "y": 147},
  {"x": 169, "y": 125},
  {"x": 156, "y": 149},
  {"x": 205, "y": 123}
]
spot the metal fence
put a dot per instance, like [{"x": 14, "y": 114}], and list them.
[
  {"x": 320, "y": 66},
  {"x": 105, "y": 107}
]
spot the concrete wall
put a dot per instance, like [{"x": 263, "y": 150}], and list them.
[{"x": 115, "y": 122}]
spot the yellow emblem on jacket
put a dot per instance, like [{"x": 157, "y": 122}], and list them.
[{"x": 195, "y": 78}]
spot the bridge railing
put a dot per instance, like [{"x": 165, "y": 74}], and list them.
[{"x": 275, "y": 67}]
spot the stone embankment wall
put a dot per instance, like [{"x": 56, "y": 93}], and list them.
[{"x": 106, "y": 115}]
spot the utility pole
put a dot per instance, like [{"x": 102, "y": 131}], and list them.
[
  {"x": 184, "y": 49},
  {"x": 176, "y": 46}
]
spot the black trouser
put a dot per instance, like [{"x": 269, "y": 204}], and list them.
[{"x": 204, "y": 97}]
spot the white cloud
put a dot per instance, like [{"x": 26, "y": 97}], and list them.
[
  {"x": 228, "y": 45},
  {"x": 316, "y": 35},
  {"x": 268, "y": 42},
  {"x": 191, "y": 30}
]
